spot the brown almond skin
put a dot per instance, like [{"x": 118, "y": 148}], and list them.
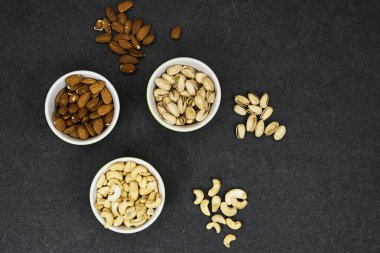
[
  {"x": 98, "y": 25},
  {"x": 75, "y": 118},
  {"x": 98, "y": 86},
  {"x": 88, "y": 80},
  {"x": 114, "y": 47},
  {"x": 136, "y": 53},
  {"x": 149, "y": 39},
  {"x": 98, "y": 125},
  {"x": 128, "y": 68},
  {"x": 67, "y": 116},
  {"x": 103, "y": 38},
  {"x": 116, "y": 26},
  {"x": 64, "y": 99},
  {"x": 82, "y": 89},
  {"x": 108, "y": 118},
  {"x": 107, "y": 25},
  {"x": 85, "y": 119},
  {"x": 60, "y": 124},
  {"x": 121, "y": 17},
  {"x": 69, "y": 122},
  {"x": 89, "y": 128},
  {"x": 83, "y": 99},
  {"x": 104, "y": 109},
  {"x": 58, "y": 97},
  {"x": 70, "y": 129},
  {"x": 111, "y": 14},
  {"x": 125, "y": 44},
  {"x": 73, "y": 108},
  {"x": 128, "y": 26},
  {"x": 73, "y": 98},
  {"x": 176, "y": 32},
  {"x": 95, "y": 95},
  {"x": 73, "y": 79},
  {"x": 106, "y": 96},
  {"x": 82, "y": 132},
  {"x": 92, "y": 103},
  {"x": 128, "y": 59},
  {"x": 121, "y": 36},
  {"x": 124, "y": 6},
  {"x": 94, "y": 115},
  {"x": 135, "y": 42},
  {"x": 143, "y": 32},
  {"x": 72, "y": 88},
  {"x": 136, "y": 26},
  {"x": 63, "y": 110},
  {"x": 82, "y": 112}
]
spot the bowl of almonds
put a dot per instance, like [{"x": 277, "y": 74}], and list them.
[
  {"x": 127, "y": 195},
  {"x": 82, "y": 107},
  {"x": 183, "y": 94}
]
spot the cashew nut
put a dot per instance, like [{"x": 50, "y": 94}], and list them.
[
  {"x": 228, "y": 239},
  {"x": 234, "y": 193},
  {"x": 215, "y": 203},
  {"x": 204, "y": 207},
  {"x": 98, "y": 206},
  {"x": 123, "y": 207},
  {"x": 139, "y": 178},
  {"x": 134, "y": 190},
  {"x": 100, "y": 181},
  {"x": 150, "y": 178},
  {"x": 150, "y": 211},
  {"x": 152, "y": 185},
  {"x": 114, "y": 207},
  {"x": 226, "y": 210},
  {"x": 139, "y": 221},
  {"x": 107, "y": 203},
  {"x": 199, "y": 196},
  {"x": 116, "y": 166},
  {"x": 215, "y": 187},
  {"x": 126, "y": 187},
  {"x": 114, "y": 174},
  {"x": 213, "y": 225},
  {"x": 144, "y": 191},
  {"x": 152, "y": 196},
  {"x": 239, "y": 204},
  {"x": 130, "y": 213},
  {"x": 233, "y": 224},
  {"x": 129, "y": 166},
  {"x": 108, "y": 217},
  {"x": 104, "y": 191},
  {"x": 128, "y": 178},
  {"x": 218, "y": 218},
  {"x": 151, "y": 204},
  {"x": 116, "y": 194},
  {"x": 118, "y": 221},
  {"x": 137, "y": 170},
  {"x": 114, "y": 181},
  {"x": 143, "y": 183}
]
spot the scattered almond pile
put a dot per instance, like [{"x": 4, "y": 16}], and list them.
[
  {"x": 257, "y": 108},
  {"x": 124, "y": 36}
]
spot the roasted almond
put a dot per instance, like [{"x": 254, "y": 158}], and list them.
[
  {"x": 98, "y": 25},
  {"x": 82, "y": 89},
  {"x": 136, "y": 53},
  {"x": 176, "y": 32},
  {"x": 83, "y": 99},
  {"x": 143, "y": 32},
  {"x": 121, "y": 17},
  {"x": 121, "y": 36},
  {"x": 60, "y": 124},
  {"x": 70, "y": 129},
  {"x": 106, "y": 96},
  {"x": 104, "y": 109},
  {"x": 85, "y": 119},
  {"x": 73, "y": 79},
  {"x": 128, "y": 26},
  {"x": 128, "y": 59},
  {"x": 64, "y": 99},
  {"x": 125, "y": 44},
  {"x": 94, "y": 115},
  {"x": 73, "y": 88},
  {"x": 149, "y": 39},
  {"x": 116, "y": 26},
  {"x": 98, "y": 125},
  {"x": 111, "y": 14},
  {"x": 88, "y": 80},
  {"x": 136, "y": 26},
  {"x": 124, "y": 6},
  {"x": 114, "y": 47},
  {"x": 98, "y": 86},
  {"x": 89, "y": 128},
  {"x": 82, "y": 112},
  {"x": 108, "y": 118},
  {"x": 82, "y": 132},
  {"x": 95, "y": 95},
  {"x": 73, "y": 108},
  {"x": 69, "y": 122},
  {"x": 92, "y": 103},
  {"x": 107, "y": 25},
  {"x": 103, "y": 38},
  {"x": 75, "y": 118},
  {"x": 59, "y": 95},
  {"x": 135, "y": 42},
  {"x": 63, "y": 110},
  {"x": 128, "y": 68}
]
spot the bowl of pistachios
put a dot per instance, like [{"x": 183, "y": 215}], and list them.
[{"x": 183, "y": 94}]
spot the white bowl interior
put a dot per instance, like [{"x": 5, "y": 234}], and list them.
[
  {"x": 199, "y": 66},
  {"x": 50, "y": 107},
  {"x": 161, "y": 189}
]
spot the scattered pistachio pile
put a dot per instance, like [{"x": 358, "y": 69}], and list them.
[
  {"x": 128, "y": 38},
  {"x": 256, "y": 107},
  {"x": 127, "y": 194},
  {"x": 184, "y": 95},
  {"x": 234, "y": 200}
]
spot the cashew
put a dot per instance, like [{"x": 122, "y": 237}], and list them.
[
  {"x": 107, "y": 203},
  {"x": 104, "y": 191},
  {"x": 106, "y": 210},
  {"x": 143, "y": 183},
  {"x": 98, "y": 206},
  {"x": 128, "y": 178},
  {"x": 139, "y": 221},
  {"x": 113, "y": 181},
  {"x": 215, "y": 203},
  {"x": 226, "y": 210},
  {"x": 234, "y": 193},
  {"x": 118, "y": 221},
  {"x": 123, "y": 207},
  {"x": 213, "y": 225},
  {"x": 124, "y": 194},
  {"x": 228, "y": 239},
  {"x": 218, "y": 218},
  {"x": 100, "y": 181},
  {"x": 145, "y": 174},
  {"x": 199, "y": 196},
  {"x": 152, "y": 185},
  {"x": 114, "y": 207},
  {"x": 151, "y": 204},
  {"x": 239, "y": 204},
  {"x": 150, "y": 211},
  {"x": 114, "y": 174},
  {"x": 152, "y": 196},
  {"x": 129, "y": 166},
  {"x": 116, "y": 194},
  {"x": 116, "y": 166},
  {"x": 127, "y": 222},
  {"x": 99, "y": 196},
  {"x": 151, "y": 178},
  {"x": 144, "y": 191},
  {"x": 140, "y": 211},
  {"x": 130, "y": 213},
  {"x": 137, "y": 170},
  {"x": 233, "y": 224},
  {"x": 134, "y": 190},
  {"x": 126, "y": 187},
  {"x": 204, "y": 207},
  {"x": 215, "y": 187},
  {"x": 139, "y": 178},
  {"x": 108, "y": 217}
]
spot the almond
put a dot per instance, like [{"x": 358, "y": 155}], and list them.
[
  {"x": 104, "y": 109},
  {"x": 73, "y": 108},
  {"x": 114, "y": 47},
  {"x": 116, "y": 26},
  {"x": 60, "y": 124},
  {"x": 75, "y": 118},
  {"x": 70, "y": 129},
  {"x": 85, "y": 119},
  {"x": 62, "y": 110},
  {"x": 127, "y": 26},
  {"x": 64, "y": 99},
  {"x": 88, "y": 80},
  {"x": 149, "y": 39},
  {"x": 82, "y": 89},
  {"x": 98, "y": 25},
  {"x": 92, "y": 103},
  {"x": 89, "y": 128},
  {"x": 107, "y": 25},
  {"x": 94, "y": 115},
  {"x": 73, "y": 98},
  {"x": 136, "y": 53},
  {"x": 82, "y": 132},
  {"x": 106, "y": 96},
  {"x": 98, "y": 86},
  {"x": 176, "y": 32},
  {"x": 143, "y": 32},
  {"x": 83, "y": 99},
  {"x": 135, "y": 42},
  {"x": 98, "y": 125},
  {"x": 82, "y": 112},
  {"x": 73, "y": 79},
  {"x": 103, "y": 38},
  {"x": 136, "y": 26},
  {"x": 58, "y": 97},
  {"x": 128, "y": 59},
  {"x": 128, "y": 68},
  {"x": 111, "y": 15},
  {"x": 95, "y": 95},
  {"x": 108, "y": 118},
  {"x": 125, "y": 44},
  {"x": 121, "y": 17},
  {"x": 121, "y": 36},
  {"x": 124, "y": 6}
]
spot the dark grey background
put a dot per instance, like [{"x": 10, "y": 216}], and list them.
[{"x": 315, "y": 191}]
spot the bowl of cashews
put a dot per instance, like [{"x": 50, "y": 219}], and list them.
[{"x": 127, "y": 195}]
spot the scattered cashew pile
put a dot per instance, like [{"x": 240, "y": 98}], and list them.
[
  {"x": 127, "y": 193},
  {"x": 256, "y": 107},
  {"x": 234, "y": 200}
]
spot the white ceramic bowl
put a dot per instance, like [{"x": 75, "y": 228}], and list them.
[
  {"x": 50, "y": 107},
  {"x": 161, "y": 189},
  {"x": 198, "y": 65}
]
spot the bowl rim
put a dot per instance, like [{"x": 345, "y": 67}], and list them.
[
  {"x": 161, "y": 187},
  {"x": 151, "y": 102},
  {"x": 91, "y": 140}
]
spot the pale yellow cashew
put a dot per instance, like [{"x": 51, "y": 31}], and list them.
[
  {"x": 204, "y": 207},
  {"x": 114, "y": 174},
  {"x": 233, "y": 224},
  {"x": 155, "y": 204},
  {"x": 114, "y": 181},
  {"x": 134, "y": 190},
  {"x": 104, "y": 191},
  {"x": 144, "y": 191},
  {"x": 152, "y": 196},
  {"x": 137, "y": 170},
  {"x": 123, "y": 207},
  {"x": 100, "y": 181},
  {"x": 199, "y": 196},
  {"x": 213, "y": 225},
  {"x": 215, "y": 203},
  {"x": 228, "y": 239},
  {"x": 130, "y": 213},
  {"x": 116, "y": 195},
  {"x": 118, "y": 221},
  {"x": 215, "y": 187},
  {"x": 239, "y": 204},
  {"x": 119, "y": 166},
  {"x": 219, "y": 219},
  {"x": 108, "y": 217},
  {"x": 226, "y": 210},
  {"x": 139, "y": 221},
  {"x": 129, "y": 166},
  {"x": 114, "y": 208},
  {"x": 234, "y": 194}
]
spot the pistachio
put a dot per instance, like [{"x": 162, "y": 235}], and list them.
[
  {"x": 267, "y": 112},
  {"x": 188, "y": 71},
  {"x": 162, "y": 84},
  {"x": 241, "y": 100},
  {"x": 201, "y": 115},
  {"x": 280, "y": 133},
  {"x": 271, "y": 128},
  {"x": 160, "y": 92},
  {"x": 264, "y": 100},
  {"x": 190, "y": 113},
  {"x": 168, "y": 78},
  {"x": 251, "y": 123},
  {"x": 181, "y": 84},
  {"x": 191, "y": 87},
  {"x": 174, "y": 95},
  {"x": 199, "y": 102},
  {"x": 240, "y": 110},
  {"x": 254, "y": 109},
  {"x": 259, "y": 129},
  {"x": 199, "y": 76},
  {"x": 240, "y": 131},
  {"x": 170, "y": 119},
  {"x": 173, "y": 70},
  {"x": 253, "y": 98},
  {"x": 173, "y": 109},
  {"x": 208, "y": 84},
  {"x": 210, "y": 96}
]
